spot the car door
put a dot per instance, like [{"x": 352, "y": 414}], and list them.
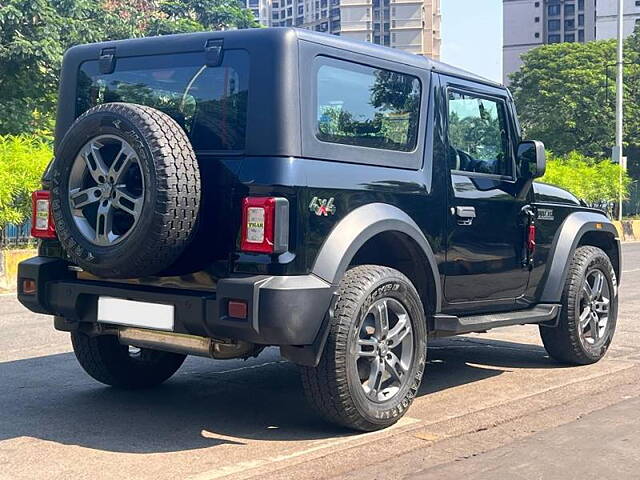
[{"x": 485, "y": 230}]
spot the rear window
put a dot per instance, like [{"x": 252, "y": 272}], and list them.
[
  {"x": 210, "y": 103},
  {"x": 367, "y": 107}
]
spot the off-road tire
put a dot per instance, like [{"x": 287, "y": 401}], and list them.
[
  {"x": 109, "y": 362},
  {"x": 563, "y": 341},
  {"x": 331, "y": 387},
  {"x": 172, "y": 191}
]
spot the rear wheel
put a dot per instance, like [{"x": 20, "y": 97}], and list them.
[
  {"x": 589, "y": 310},
  {"x": 375, "y": 355},
  {"x": 109, "y": 362}
]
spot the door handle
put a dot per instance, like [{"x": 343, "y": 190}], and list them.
[{"x": 465, "y": 215}]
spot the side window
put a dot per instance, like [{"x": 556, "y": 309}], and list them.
[
  {"x": 477, "y": 132},
  {"x": 367, "y": 107}
]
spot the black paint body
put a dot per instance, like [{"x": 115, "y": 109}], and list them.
[{"x": 479, "y": 266}]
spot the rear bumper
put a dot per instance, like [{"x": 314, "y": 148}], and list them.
[{"x": 282, "y": 310}]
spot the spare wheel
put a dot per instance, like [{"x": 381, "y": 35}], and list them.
[{"x": 125, "y": 190}]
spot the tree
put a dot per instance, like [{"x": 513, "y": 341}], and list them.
[
  {"x": 35, "y": 33},
  {"x": 565, "y": 95},
  {"x": 212, "y": 15},
  {"x": 30, "y": 47},
  {"x": 595, "y": 182}
]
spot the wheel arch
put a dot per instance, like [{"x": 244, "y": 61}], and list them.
[
  {"x": 608, "y": 242},
  {"x": 578, "y": 229},
  {"x": 364, "y": 237}
]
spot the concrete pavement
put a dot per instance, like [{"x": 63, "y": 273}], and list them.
[
  {"x": 483, "y": 395},
  {"x": 603, "y": 444}
]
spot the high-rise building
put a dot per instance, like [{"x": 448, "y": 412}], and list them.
[
  {"x": 410, "y": 25},
  {"x": 531, "y": 23},
  {"x": 607, "y": 18}
]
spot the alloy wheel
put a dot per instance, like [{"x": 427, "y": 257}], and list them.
[
  {"x": 594, "y": 309},
  {"x": 384, "y": 349},
  {"x": 106, "y": 190}
]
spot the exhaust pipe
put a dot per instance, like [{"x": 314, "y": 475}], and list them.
[{"x": 186, "y": 344}]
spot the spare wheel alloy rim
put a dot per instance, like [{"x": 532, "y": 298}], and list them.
[{"x": 106, "y": 190}]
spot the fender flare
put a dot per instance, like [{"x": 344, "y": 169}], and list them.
[
  {"x": 564, "y": 245},
  {"x": 360, "y": 225}
]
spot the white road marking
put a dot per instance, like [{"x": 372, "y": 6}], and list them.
[
  {"x": 632, "y": 270},
  {"x": 241, "y": 467}
]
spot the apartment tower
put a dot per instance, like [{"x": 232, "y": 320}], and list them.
[
  {"x": 606, "y": 18},
  {"x": 531, "y": 23},
  {"x": 409, "y": 25}
]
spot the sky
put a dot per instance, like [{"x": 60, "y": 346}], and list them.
[{"x": 472, "y": 36}]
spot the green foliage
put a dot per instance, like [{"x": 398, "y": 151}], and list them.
[
  {"x": 477, "y": 136},
  {"x": 565, "y": 95},
  {"x": 35, "y": 33},
  {"x": 212, "y": 15},
  {"x": 22, "y": 161},
  {"x": 595, "y": 182}
]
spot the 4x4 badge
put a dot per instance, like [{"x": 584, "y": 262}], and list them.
[{"x": 322, "y": 206}]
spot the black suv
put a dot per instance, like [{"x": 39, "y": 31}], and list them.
[{"x": 216, "y": 193}]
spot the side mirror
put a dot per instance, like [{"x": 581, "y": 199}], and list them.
[{"x": 532, "y": 161}]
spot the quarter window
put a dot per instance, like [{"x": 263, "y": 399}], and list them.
[
  {"x": 477, "y": 132},
  {"x": 367, "y": 107}
]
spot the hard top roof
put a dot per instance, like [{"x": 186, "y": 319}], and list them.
[
  {"x": 185, "y": 40},
  {"x": 386, "y": 53}
]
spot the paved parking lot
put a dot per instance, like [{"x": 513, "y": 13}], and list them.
[{"x": 486, "y": 400}]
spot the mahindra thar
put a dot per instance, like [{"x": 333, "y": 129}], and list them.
[{"x": 216, "y": 193}]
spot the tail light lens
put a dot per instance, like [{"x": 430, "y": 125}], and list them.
[
  {"x": 42, "y": 222},
  {"x": 265, "y": 225}
]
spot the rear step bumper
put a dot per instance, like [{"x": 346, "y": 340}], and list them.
[
  {"x": 451, "y": 325},
  {"x": 281, "y": 310}
]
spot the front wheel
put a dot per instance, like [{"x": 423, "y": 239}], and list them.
[
  {"x": 373, "y": 362},
  {"x": 109, "y": 362},
  {"x": 589, "y": 310}
]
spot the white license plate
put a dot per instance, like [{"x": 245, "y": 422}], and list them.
[{"x": 136, "y": 314}]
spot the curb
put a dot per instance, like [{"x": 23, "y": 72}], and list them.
[{"x": 9, "y": 260}]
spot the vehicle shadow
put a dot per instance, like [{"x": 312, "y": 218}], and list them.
[
  {"x": 474, "y": 358},
  {"x": 208, "y": 403}
]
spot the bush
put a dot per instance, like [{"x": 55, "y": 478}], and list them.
[
  {"x": 22, "y": 160},
  {"x": 595, "y": 182}
]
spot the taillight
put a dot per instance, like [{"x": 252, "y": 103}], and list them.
[
  {"x": 42, "y": 222},
  {"x": 265, "y": 225}
]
